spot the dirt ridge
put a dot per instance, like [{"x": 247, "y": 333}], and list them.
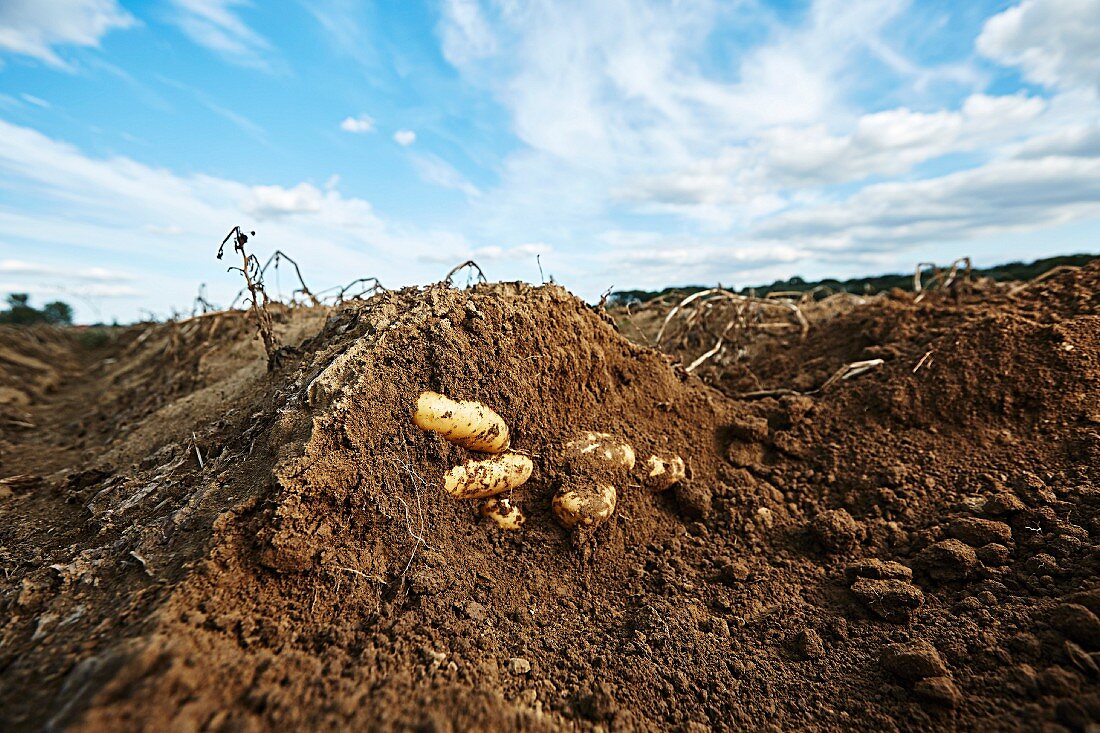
[{"x": 219, "y": 548}]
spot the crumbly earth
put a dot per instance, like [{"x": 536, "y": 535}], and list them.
[{"x": 191, "y": 542}]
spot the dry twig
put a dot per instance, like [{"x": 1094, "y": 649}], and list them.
[
  {"x": 253, "y": 280},
  {"x": 848, "y": 371},
  {"x": 1039, "y": 278},
  {"x": 275, "y": 258},
  {"x": 470, "y": 264},
  {"x": 944, "y": 279}
]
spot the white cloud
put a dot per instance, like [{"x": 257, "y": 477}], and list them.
[
  {"x": 434, "y": 169},
  {"x": 404, "y": 138},
  {"x": 215, "y": 25},
  {"x": 265, "y": 202},
  {"x": 1003, "y": 196},
  {"x": 621, "y": 111},
  {"x": 1054, "y": 42},
  {"x": 84, "y": 292},
  {"x": 619, "y": 106},
  {"x": 62, "y": 271},
  {"x": 529, "y": 250},
  {"x": 519, "y": 253},
  {"x": 1078, "y": 141},
  {"x": 466, "y": 35},
  {"x": 111, "y": 206},
  {"x": 35, "y": 28},
  {"x": 748, "y": 182},
  {"x": 172, "y": 230},
  {"x": 360, "y": 124}
]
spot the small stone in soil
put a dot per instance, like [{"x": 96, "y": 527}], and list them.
[
  {"x": 913, "y": 661},
  {"x": 518, "y": 665},
  {"x": 475, "y": 611},
  {"x": 938, "y": 690}
]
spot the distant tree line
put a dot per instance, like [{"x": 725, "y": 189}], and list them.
[
  {"x": 20, "y": 313},
  {"x": 864, "y": 285}
]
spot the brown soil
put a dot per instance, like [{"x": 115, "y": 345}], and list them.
[{"x": 190, "y": 542}]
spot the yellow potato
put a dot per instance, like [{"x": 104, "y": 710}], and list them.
[
  {"x": 489, "y": 477},
  {"x": 469, "y": 424},
  {"x": 502, "y": 511},
  {"x": 664, "y": 471},
  {"x": 585, "y": 506},
  {"x": 601, "y": 446}
]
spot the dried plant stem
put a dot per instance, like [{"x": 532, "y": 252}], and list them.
[
  {"x": 1039, "y": 278},
  {"x": 253, "y": 281},
  {"x": 468, "y": 263}
]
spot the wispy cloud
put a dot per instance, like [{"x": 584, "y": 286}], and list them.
[
  {"x": 217, "y": 26},
  {"x": 466, "y": 35},
  {"x": 435, "y": 170},
  {"x": 62, "y": 271},
  {"x": 621, "y": 113},
  {"x": 37, "y": 29},
  {"x": 36, "y": 101},
  {"x": 404, "y": 138},
  {"x": 241, "y": 121}
]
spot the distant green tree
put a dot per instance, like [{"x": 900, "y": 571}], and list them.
[
  {"x": 58, "y": 313},
  {"x": 21, "y": 313}
]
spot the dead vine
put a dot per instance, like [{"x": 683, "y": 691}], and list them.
[
  {"x": 448, "y": 281},
  {"x": 941, "y": 279},
  {"x": 724, "y": 320},
  {"x": 253, "y": 279}
]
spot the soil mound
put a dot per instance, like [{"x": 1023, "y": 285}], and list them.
[{"x": 232, "y": 549}]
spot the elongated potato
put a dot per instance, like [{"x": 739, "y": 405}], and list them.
[
  {"x": 664, "y": 471},
  {"x": 584, "y": 506},
  {"x": 469, "y": 424},
  {"x": 603, "y": 447},
  {"x": 501, "y": 510},
  {"x": 489, "y": 477}
]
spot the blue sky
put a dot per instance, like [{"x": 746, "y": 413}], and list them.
[{"x": 624, "y": 143}]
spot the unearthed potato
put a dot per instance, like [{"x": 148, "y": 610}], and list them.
[
  {"x": 586, "y": 506},
  {"x": 469, "y": 424},
  {"x": 492, "y": 476},
  {"x": 502, "y": 511},
  {"x": 664, "y": 471},
  {"x": 601, "y": 446}
]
